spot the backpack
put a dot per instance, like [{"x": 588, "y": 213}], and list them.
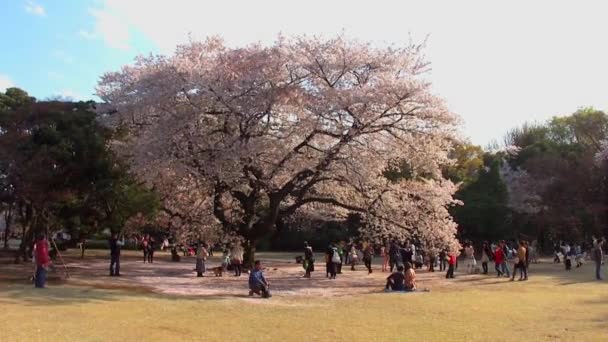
[{"x": 335, "y": 258}]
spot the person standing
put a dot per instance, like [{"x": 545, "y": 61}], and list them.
[
  {"x": 82, "y": 245},
  {"x": 505, "y": 252},
  {"x": 43, "y": 261},
  {"x": 384, "y": 255},
  {"x": 309, "y": 260},
  {"x": 443, "y": 259},
  {"x": 393, "y": 254},
  {"x": 470, "y": 262},
  {"x": 225, "y": 259},
  {"x": 151, "y": 249},
  {"x": 115, "y": 246},
  {"x": 486, "y": 255},
  {"x": 368, "y": 255},
  {"x": 334, "y": 259},
  {"x": 340, "y": 249},
  {"x": 353, "y": 257},
  {"x": 237, "y": 259},
  {"x": 144, "y": 247},
  {"x": 451, "y": 265},
  {"x": 520, "y": 263},
  {"x": 201, "y": 257},
  {"x": 598, "y": 256},
  {"x": 432, "y": 259}
]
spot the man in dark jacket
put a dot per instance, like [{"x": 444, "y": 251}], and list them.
[
  {"x": 115, "y": 245},
  {"x": 393, "y": 254},
  {"x": 598, "y": 255}
]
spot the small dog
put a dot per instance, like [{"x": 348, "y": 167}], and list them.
[{"x": 218, "y": 271}]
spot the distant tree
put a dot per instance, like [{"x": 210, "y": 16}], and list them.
[{"x": 57, "y": 169}]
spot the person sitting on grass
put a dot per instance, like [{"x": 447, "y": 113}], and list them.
[
  {"x": 410, "y": 277},
  {"x": 257, "y": 282},
  {"x": 396, "y": 280}
]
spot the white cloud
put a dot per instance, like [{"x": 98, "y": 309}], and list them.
[
  {"x": 5, "y": 82},
  {"x": 63, "y": 56},
  {"x": 69, "y": 95},
  {"x": 87, "y": 34},
  {"x": 35, "y": 9},
  {"x": 112, "y": 27},
  {"x": 496, "y": 64}
]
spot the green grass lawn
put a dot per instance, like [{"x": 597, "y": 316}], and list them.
[{"x": 551, "y": 306}]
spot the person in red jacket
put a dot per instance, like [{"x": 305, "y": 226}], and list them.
[
  {"x": 499, "y": 258},
  {"x": 451, "y": 265},
  {"x": 43, "y": 261}
]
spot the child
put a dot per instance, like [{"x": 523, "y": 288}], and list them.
[
  {"x": 568, "y": 260},
  {"x": 410, "y": 277},
  {"x": 451, "y": 264},
  {"x": 225, "y": 259},
  {"x": 419, "y": 260},
  {"x": 384, "y": 256}
]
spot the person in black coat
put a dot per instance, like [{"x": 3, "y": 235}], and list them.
[{"x": 115, "y": 246}]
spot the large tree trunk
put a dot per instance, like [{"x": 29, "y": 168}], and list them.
[{"x": 249, "y": 255}]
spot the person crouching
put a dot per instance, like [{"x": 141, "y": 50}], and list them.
[{"x": 257, "y": 282}]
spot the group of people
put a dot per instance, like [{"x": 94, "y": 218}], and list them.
[
  {"x": 400, "y": 259},
  {"x": 232, "y": 257},
  {"x": 570, "y": 254},
  {"x": 501, "y": 253}
]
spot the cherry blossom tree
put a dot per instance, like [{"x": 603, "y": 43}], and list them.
[{"x": 311, "y": 125}]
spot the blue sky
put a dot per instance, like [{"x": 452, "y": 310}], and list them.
[
  {"x": 497, "y": 64},
  {"x": 52, "y": 50}
]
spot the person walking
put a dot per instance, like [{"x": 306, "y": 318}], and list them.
[
  {"x": 499, "y": 258},
  {"x": 43, "y": 261},
  {"x": 328, "y": 262},
  {"x": 237, "y": 259},
  {"x": 115, "y": 246},
  {"x": 598, "y": 256},
  {"x": 309, "y": 260}
]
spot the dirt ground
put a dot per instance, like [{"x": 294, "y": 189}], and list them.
[{"x": 284, "y": 275}]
